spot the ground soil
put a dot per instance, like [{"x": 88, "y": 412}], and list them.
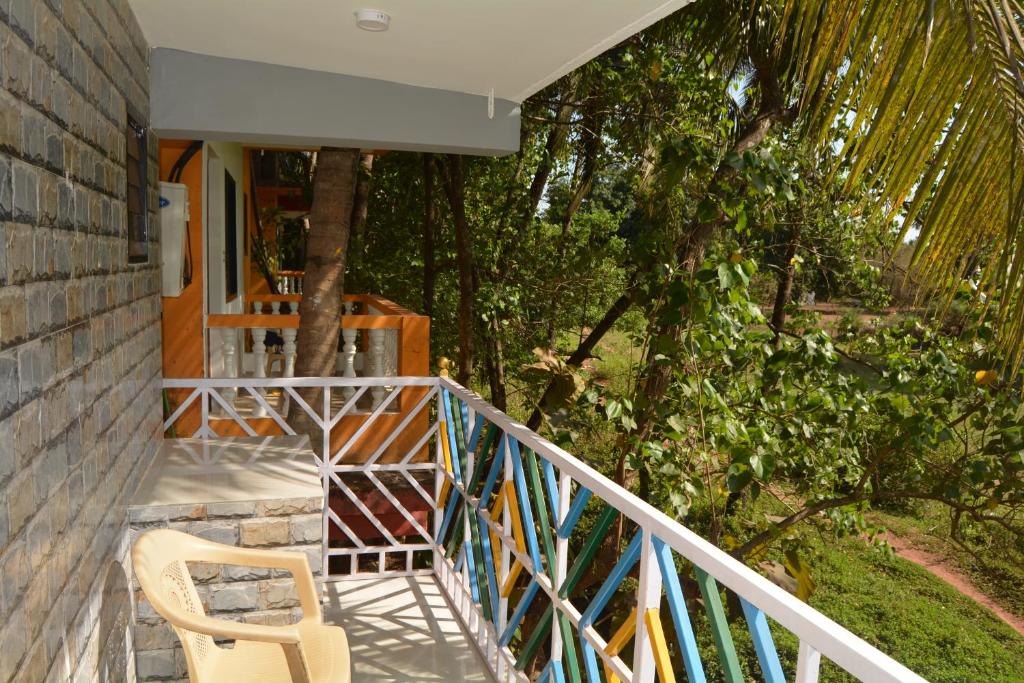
[{"x": 937, "y": 565}]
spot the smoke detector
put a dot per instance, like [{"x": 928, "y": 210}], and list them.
[{"x": 372, "y": 20}]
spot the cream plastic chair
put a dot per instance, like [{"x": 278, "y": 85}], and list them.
[{"x": 304, "y": 652}]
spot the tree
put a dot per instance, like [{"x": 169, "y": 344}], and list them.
[{"x": 330, "y": 221}]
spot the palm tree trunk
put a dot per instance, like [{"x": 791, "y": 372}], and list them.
[
  {"x": 455, "y": 189},
  {"x": 330, "y": 221}
]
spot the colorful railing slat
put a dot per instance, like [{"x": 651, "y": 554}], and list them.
[
  {"x": 572, "y": 662},
  {"x": 719, "y": 626},
  {"x": 519, "y": 477},
  {"x": 618, "y": 642},
  {"x": 604, "y": 594},
  {"x": 659, "y": 646},
  {"x": 686, "y": 639},
  {"x": 536, "y": 490},
  {"x": 576, "y": 509},
  {"x": 764, "y": 646}
]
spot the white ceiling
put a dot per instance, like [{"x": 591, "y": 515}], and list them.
[{"x": 515, "y": 47}]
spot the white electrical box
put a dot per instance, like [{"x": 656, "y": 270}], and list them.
[{"x": 175, "y": 258}]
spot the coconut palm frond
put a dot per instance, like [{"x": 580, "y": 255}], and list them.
[{"x": 933, "y": 97}]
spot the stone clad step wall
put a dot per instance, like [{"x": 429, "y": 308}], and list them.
[{"x": 252, "y": 595}]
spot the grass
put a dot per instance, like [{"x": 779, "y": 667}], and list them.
[
  {"x": 899, "y": 608},
  {"x": 994, "y": 563}
]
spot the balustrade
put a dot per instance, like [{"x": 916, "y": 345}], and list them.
[{"x": 374, "y": 332}]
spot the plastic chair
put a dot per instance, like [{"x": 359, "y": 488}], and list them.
[{"x": 304, "y": 652}]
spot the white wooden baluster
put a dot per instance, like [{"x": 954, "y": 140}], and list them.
[
  {"x": 288, "y": 334},
  {"x": 229, "y": 344},
  {"x": 648, "y": 596},
  {"x": 807, "y": 664},
  {"x": 348, "y": 352},
  {"x": 283, "y": 283},
  {"x": 259, "y": 352},
  {"x": 275, "y": 307},
  {"x": 390, "y": 355},
  {"x": 376, "y": 363}
]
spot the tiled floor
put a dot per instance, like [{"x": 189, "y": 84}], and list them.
[{"x": 400, "y": 630}]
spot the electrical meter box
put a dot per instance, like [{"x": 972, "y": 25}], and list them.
[{"x": 175, "y": 257}]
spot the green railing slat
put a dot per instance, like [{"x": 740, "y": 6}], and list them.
[
  {"x": 478, "y": 561},
  {"x": 572, "y": 662},
  {"x": 719, "y": 626},
  {"x": 589, "y": 549},
  {"x": 537, "y": 494},
  {"x": 484, "y": 462},
  {"x": 460, "y": 435},
  {"x": 536, "y": 638},
  {"x": 454, "y": 541}
]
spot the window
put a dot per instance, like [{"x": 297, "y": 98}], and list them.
[
  {"x": 230, "y": 237},
  {"x": 138, "y": 196}
]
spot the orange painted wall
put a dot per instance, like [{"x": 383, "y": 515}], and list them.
[{"x": 182, "y": 320}]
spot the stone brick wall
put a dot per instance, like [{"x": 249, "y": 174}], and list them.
[
  {"x": 79, "y": 336},
  {"x": 251, "y": 595}
]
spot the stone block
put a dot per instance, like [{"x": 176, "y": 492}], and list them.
[
  {"x": 10, "y": 120},
  {"x": 264, "y": 532},
  {"x": 234, "y": 572},
  {"x": 204, "y": 572},
  {"x": 23, "y": 19},
  {"x": 306, "y": 528},
  {"x": 14, "y": 571},
  {"x": 13, "y": 315},
  {"x": 26, "y": 193},
  {"x": 9, "y": 382},
  {"x": 278, "y": 594},
  {"x": 230, "y": 509},
  {"x": 19, "y": 246},
  {"x": 219, "y": 532},
  {"x": 33, "y": 137},
  {"x": 6, "y": 186},
  {"x": 17, "y": 60},
  {"x": 234, "y": 597},
  {"x": 288, "y": 506},
  {"x": 155, "y": 665},
  {"x": 36, "y": 294}
]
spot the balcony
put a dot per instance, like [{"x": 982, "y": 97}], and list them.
[{"x": 530, "y": 548}]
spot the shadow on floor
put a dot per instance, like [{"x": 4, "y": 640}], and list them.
[{"x": 401, "y": 630}]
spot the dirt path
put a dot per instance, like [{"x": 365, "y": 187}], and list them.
[{"x": 937, "y": 565}]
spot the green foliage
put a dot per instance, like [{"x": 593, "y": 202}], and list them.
[{"x": 900, "y": 416}]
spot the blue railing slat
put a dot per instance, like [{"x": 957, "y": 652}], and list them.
[
  {"x": 764, "y": 645},
  {"x": 680, "y": 617},
  {"x": 576, "y": 508}
]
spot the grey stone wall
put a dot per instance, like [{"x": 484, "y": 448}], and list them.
[
  {"x": 79, "y": 336},
  {"x": 247, "y": 594}
]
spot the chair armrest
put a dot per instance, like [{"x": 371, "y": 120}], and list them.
[
  {"x": 235, "y": 630},
  {"x": 295, "y": 563}
]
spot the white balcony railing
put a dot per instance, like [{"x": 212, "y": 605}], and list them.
[{"x": 458, "y": 489}]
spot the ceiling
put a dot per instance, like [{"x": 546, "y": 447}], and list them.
[{"x": 515, "y": 47}]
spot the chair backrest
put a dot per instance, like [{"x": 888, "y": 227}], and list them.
[{"x": 158, "y": 558}]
